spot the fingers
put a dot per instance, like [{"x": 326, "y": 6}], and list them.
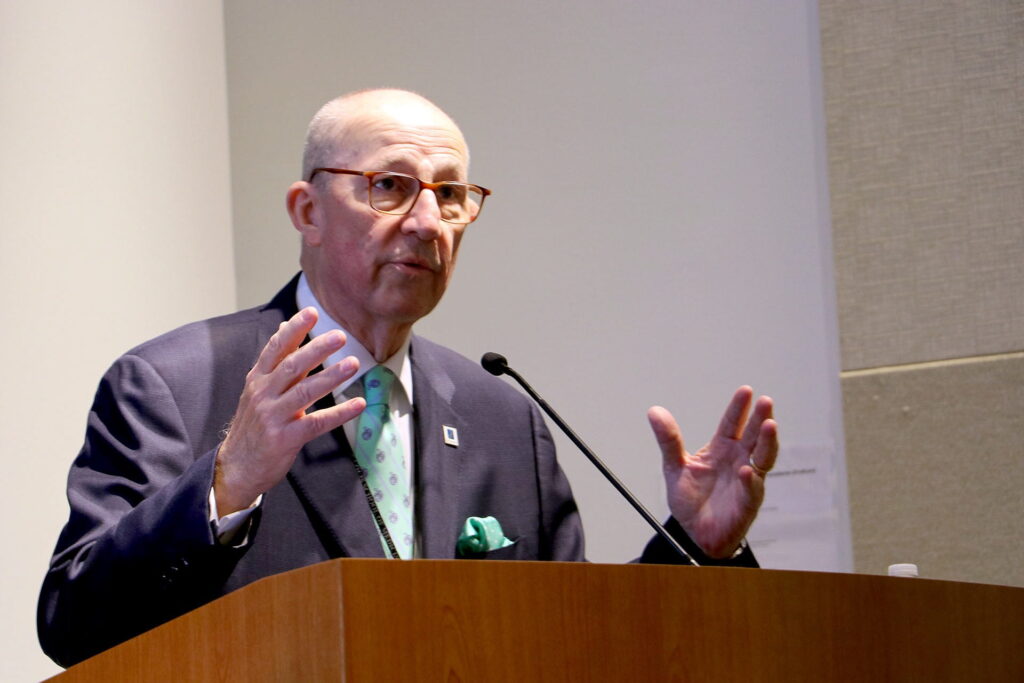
[
  {"x": 762, "y": 460},
  {"x": 306, "y": 392},
  {"x": 736, "y": 414},
  {"x": 285, "y": 361},
  {"x": 287, "y": 338},
  {"x": 291, "y": 388},
  {"x": 322, "y": 421},
  {"x": 762, "y": 411},
  {"x": 667, "y": 434},
  {"x": 298, "y": 363},
  {"x": 760, "y": 437}
]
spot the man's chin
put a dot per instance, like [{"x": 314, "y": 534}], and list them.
[{"x": 405, "y": 310}]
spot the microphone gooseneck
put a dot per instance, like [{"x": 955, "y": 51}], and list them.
[{"x": 497, "y": 364}]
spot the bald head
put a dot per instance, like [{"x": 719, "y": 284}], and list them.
[{"x": 333, "y": 132}]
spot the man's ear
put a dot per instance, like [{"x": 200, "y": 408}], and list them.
[{"x": 301, "y": 204}]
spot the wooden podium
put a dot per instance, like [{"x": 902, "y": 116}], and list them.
[{"x": 381, "y": 620}]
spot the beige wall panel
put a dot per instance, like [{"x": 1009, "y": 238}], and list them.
[
  {"x": 936, "y": 468},
  {"x": 925, "y": 115}
]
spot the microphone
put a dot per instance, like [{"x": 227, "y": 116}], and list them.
[
  {"x": 494, "y": 363},
  {"x": 497, "y": 364}
]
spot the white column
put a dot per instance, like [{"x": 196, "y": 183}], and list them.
[{"x": 115, "y": 225}]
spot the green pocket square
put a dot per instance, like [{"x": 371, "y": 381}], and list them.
[{"x": 481, "y": 535}]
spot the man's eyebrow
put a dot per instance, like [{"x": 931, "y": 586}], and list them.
[
  {"x": 390, "y": 163},
  {"x": 447, "y": 172}
]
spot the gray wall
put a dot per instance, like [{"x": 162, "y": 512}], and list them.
[
  {"x": 659, "y": 226},
  {"x": 925, "y": 107}
]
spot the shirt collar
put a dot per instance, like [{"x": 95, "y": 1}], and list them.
[{"x": 398, "y": 363}]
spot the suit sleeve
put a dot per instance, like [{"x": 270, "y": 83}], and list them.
[
  {"x": 137, "y": 549},
  {"x": 561, "y": 534},
  {"x": 658, "y": 551}
]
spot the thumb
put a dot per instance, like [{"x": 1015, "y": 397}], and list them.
[{"x": 668, "y": 436}]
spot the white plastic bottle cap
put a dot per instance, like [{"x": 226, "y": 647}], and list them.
[{"x": 903, "y": 570}]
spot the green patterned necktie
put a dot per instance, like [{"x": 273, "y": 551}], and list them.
[{"x": 379, "y": 453}]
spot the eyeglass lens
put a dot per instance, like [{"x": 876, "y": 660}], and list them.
[{"x": 395, "y": 193}]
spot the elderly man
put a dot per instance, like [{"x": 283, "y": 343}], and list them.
[{"x": 318, "y": 426}]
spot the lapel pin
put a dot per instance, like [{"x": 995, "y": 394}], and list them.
[{"x": 451, "y": 435}]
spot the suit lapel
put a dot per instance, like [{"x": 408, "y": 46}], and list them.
[
  {"x": 325, "y": 478},
  {"x": 437, "y": 464}
]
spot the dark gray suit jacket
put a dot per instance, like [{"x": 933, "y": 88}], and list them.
[{"x": 138, "y": 549}]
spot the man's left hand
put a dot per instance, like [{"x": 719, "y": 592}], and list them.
[{"x": 715, "y": 493}]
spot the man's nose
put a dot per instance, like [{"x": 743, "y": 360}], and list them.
[{"x": 424, "y": 217}]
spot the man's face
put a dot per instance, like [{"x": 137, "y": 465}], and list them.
[{"x": 374, "y": 267}]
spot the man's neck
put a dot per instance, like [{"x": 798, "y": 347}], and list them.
[{"x": 381, "y": 339}]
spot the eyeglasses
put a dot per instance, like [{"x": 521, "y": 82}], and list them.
[{"x": 396, "y": 193}]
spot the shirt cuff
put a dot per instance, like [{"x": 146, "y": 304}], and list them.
[{"x": 229, "y": 528}]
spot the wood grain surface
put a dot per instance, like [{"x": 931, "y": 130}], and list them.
[{"x": 380, "y": 620}]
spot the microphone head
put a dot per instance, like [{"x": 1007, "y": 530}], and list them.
[{"x": 494, "y": 363}]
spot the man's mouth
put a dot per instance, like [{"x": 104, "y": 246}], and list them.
[{"x": 414, "y": 263}]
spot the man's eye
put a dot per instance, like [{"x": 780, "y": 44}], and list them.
[
  {"x": 386, "y": 183},
  {"x": 452, "y": 193}
]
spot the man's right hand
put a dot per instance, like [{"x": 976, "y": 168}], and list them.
[{"x": 271, "y": 425}]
